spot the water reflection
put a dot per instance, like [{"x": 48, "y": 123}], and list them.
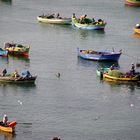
[
  {"x": 131, "y": 86},
  {"x": 17, "y": 58},
  {"x": 16, "y": 89},
  {"x": 85, "y": 33},
  {"x": 135, "y": 35},
  {"x": 9, "y": 2},
  {"x": 7, "y": 136},
  {"x": 9, "y": 59},
  {"x": 102, "y": 64},
  {"x": 86, "y": 63}
]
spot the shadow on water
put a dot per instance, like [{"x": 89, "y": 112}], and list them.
[
  {"x": 24, "y": 85},
  {"x": 8, "y": 2},
  {"x": 21, "y": 58},
  {"x": 86, "y": 33},
  {"x": 135, "y": 35},
  {"x": 7, "y": 136},
  {"x": 128, "y": 85},
  {"x": 97, "y": 64},
  {"x": 7, "y": 60}
]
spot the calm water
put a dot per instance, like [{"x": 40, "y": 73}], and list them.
[{"x": 77, "y": 105}]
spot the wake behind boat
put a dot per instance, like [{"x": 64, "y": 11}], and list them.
[
  {"x": 99, "y": 55},
  {"x": 52, "y": 19}
]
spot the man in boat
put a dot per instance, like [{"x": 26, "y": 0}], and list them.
[
  {"x": 74, "y": 16},
  {"x": 4, "y": 72},
  {"x": 16, "y": 74},
  {"x": 26, "y": 74},
  {"x": 4, "y": 121},
  {"x": 132, "y": 70},
  {"x": 112, "y": 67},
  {"x": 82, "y": 19}
]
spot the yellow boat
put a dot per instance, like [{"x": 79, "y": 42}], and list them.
[
  {"x": 136, "y": 30},
  {"x": 135, "y": 78},
  {"x": 10, "y": 128},
  {"x": 132, "y": 2}
]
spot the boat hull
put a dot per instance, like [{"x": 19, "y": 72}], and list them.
[
  {"x": 132, "y": 2},
  {"x": 99, "y": 56},
  {"x": 121, "y": 79},
  {"x": 136, "y": 30},
  {"x": 3, "y": 52},
  {"x": 88, "y": 26},
  {"x": 9, "y": 128},
  {"x": 17, "y": 49},
  {"x": 8, "y": 79},
  {"x": 63, "y": 21}
]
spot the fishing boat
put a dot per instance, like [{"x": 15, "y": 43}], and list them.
[
  {"x": 99, "y": 55},
  {"x": 132, "y": 2},
  {"x": 17, "y": 49},
  {"x": 24, "y": 77},
  {"x": 135, "y": 78},
  {"x": 117, "y": 75},
  {"x": 51, "y": 19},
  {"x": 136, "y": 29},
  {"x": 20, "y": 79},
  {"x": 88, "y": 24},
  {"x": 3, "y": 52},
  {"x": 10, "y": 127}
]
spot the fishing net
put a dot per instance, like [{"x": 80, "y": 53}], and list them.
[{"x": 114, "y": 73}]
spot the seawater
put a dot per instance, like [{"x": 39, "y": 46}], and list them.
[{"x": 77, "y": 105}]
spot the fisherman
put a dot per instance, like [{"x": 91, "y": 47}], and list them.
[
  {"x": 16, "y": 74},
  {"x": 5, "y": 119},
  {"x": 4, "y": 72},
  {"x": 82, "y": 19},
  {"x": 132, "y": 70},
  {"x": 112, "y": 67},
  {"x": 74, "y": 16}
]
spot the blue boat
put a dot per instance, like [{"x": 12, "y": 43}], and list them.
[
  {"x": 3, "y": 52},
  {"x": 99, "y": 55}
]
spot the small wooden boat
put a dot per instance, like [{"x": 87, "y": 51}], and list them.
[
  {"x": 98, "y": 55},
  {"x": 116, "y": 75},
  {"x": 51, "y": 19},
  {"x": 136, "y": 29},
  {"x": 20, "y": 79},
  {"x": 135, "y": 78},
  {"x": 3, "y": 52},
  {"x": 10, "y": 127},
  {"x": 89, "y": 24},
  {"x": 17, "y": 49},
  {"x": 132, "y": 2}
]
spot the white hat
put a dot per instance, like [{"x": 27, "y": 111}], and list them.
[{"x": 5, "y": 115}]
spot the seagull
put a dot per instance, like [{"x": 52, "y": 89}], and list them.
[{"x": 58, "y": 75}]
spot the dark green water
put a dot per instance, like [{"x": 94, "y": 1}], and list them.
[{"x": 76, "y": 105}]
